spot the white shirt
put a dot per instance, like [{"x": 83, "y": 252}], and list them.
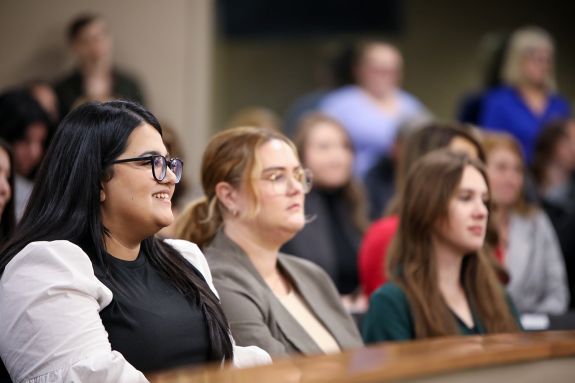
[{"x": 50, "y": 327}]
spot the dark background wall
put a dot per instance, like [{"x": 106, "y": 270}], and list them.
[{"x": 440, "y": 41}]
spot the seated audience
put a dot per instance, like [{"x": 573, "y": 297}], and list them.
[
  {"x": 26, "y": 127},
  {"x": 373, "y": 110},
  {"x": 528, "y": 99},
  {"x": 380, "y": 179},
  {"x": 95, "y": 77},
  {"x": 527, "y": 241},
  {"x": 553, "y": 168},
  {"x": 553, "y": 171},
  {"x": 441, "y": 283},
  {"x": 376, "y": 241},
  {"x": 254, "y": 187},
  {"x": 87, "y": 292},
  {"x": 335, "y": 206},
  {"x": 7, "y": 217}
]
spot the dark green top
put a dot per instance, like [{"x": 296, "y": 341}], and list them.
[{"x": 389, "y": 317}]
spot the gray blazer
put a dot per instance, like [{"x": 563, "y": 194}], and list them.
[
  {"x": 258, "y": 318},
  {"x": 534, "y": 260}
]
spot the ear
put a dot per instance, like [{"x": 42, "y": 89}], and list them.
[
  {"x": 228, "y": 197},
  {"x": 102, "y": 195}
]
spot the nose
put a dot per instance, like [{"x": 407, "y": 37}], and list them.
[
  {"x": 170, "y": 177},
  {"x": 480, "y": 211},
  {"x": 5, "y": 190},
  {"x": 294, "y": 186}
]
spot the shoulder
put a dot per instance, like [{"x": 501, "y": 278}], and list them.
[
  {"x": 53, "y": 265},
  {"x": 409, "y": 100},
  {"x": 341, "y": 96},
  {"x": 384, "y": 226},
  {"x": 390, "y": 292},
  {"x": 192, "y": 253},
  {"x": 54, "y": 254}
]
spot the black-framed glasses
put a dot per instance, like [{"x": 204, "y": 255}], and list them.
[{"x": 160, "y": 165}]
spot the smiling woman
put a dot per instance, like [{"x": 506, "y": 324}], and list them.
[
  {"x": 254, "y": 203},
  {"x": 110, "y": 300}
]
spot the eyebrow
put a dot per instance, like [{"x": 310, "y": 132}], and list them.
[
  {"x": 277, "y": 168},
  {"x": 153, "y": 153},
  {"x": 468, "y": 190}
]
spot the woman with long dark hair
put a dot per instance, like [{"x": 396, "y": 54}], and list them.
[
  {"x": 87, "y": 292},
  {"x": 440, "y": 281}
]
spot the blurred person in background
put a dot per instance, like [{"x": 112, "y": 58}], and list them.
[
  {"x": 257, "y": 116},
  {"x": 492, "y": 52},
  {"x": 254, "y": 187},
  {"x": 335, "y": 206},
  {"x": 27, "y": 128},
  {"x": 7, "y": 216},
  {"x": 528, "y": 97},
  {"x": 95, "y": 76},
  {"x": 373, "y": 110},
  {"x": 46, "y": 96},
  {"x": 441, "y": 283},
  {"x": 528, "y": 244},
  {"x": 553, "y": 170}
]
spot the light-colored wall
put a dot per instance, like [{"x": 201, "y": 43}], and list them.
[{"x": 167, "y": 45}]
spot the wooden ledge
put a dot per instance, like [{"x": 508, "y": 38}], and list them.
[{"x": 392, "y": 361}]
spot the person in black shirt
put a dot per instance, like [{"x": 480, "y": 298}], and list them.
[{"x": 87, "y": 291}]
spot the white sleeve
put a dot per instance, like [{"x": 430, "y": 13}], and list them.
[
  {"x": 192, "y": 253},
  {"x": 243, "y": 356},
  {"x": 50, "y": 327}
]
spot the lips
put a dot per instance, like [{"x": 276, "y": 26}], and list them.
[
  {"x": 294, "y": 206},
  {"x": 476, "y": 230},
  {"x": 163, "y": 196}
]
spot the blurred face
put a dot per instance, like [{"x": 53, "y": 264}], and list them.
[
  {"x": 133, "y": 203},
  {"x": 565, "y": 149},
  {"x": 505, "y": 171},
  {"x": 464, "y": 229},
  {"x": 379, "y": 72},
  {"x": 463, "y": 145},
  {"x": 536, "y": 64},
  {"x": 47, "y": 99},
  {"x": 328, "y": 155},
  {"x": 28, "y": 152},
  {"x": 5, "y": 170},
  {"x": 93, "y": 44},
  {"x": 281, "y": 194}
]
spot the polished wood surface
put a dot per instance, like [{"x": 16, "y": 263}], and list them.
[{"x": 394, "y": 361}]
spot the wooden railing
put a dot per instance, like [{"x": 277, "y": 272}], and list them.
[{"x": 520, "y": 356}]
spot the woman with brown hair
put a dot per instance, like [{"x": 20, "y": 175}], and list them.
[
  {"x": 254, "y": 189},
  {"x": 376, "y": 241},
  {"x": 527, "y": 241},
  {"x": 335, "y": 205},
  {"x": 440, "y": 282}
]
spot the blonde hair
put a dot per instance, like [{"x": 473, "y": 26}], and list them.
[
  {"x": 521, "y": 41},
  {"x": 229, "y": 157}
]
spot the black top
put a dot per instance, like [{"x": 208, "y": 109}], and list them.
[
  {"x": 330, "y": 240},
  {"x": 150, "y": 322},
  {"x": 71, "y": 88}
]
